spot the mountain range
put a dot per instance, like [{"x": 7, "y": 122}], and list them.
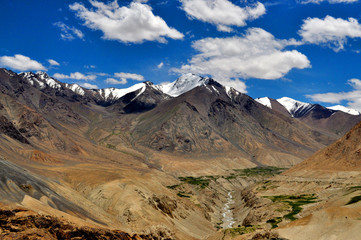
[
  {"x": 192, "y": 116},
  {"x": 113, "y": 157}
]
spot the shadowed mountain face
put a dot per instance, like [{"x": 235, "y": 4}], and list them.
[
  {"x": 338, "y": 122},
  {"x": 208, "y": 120},
  {"x": 111, "y": 158}
]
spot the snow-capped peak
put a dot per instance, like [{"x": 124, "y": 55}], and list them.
[
  {"x": 294, "y": 106},
  {"x": 32, "y": 79},
  {"x": 345, "y": 109},
  {"x": 51, "y": 82},
  {"x": 264, "y": 101},
  {"x": 183, "y": 84},
  {"x": 75, "y": 88},
  {"x": 113, "y": 94},
  {"x": 42, "y": 79}
]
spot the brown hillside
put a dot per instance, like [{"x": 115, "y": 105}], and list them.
[{"x": 343, "y": 155}]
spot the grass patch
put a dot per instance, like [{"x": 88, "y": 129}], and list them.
[
  {"x": 183, "y": 194},
  {"x": 241, "y": 230},
  {"x": 354, "y": 200},
  {"x": 295, "y": 202},
  {"x": 259, "y": 171},
  {"x": 173, "y": 186},
  {"x": 199, "y": 181},
  {"x": 275, "y": 221},
  {"x": 111, "y": 146}
]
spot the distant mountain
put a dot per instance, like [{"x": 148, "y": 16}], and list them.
[
  {"x": 183, "y": 84},
  {"x": 337, "y": 119},
  {"x": 345, "y": 109},
  {"x": 112, "y": 152},
  {"x": 192, "y": 116},
  {"x": 343, "y": 155}
]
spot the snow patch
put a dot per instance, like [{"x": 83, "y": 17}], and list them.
[
  {"x": 182, "y": 85},
  {"x": 32, "y": 79},
  {"x": 345, "y": 110},
  {"x": 215, "y": 89},
  {"x": 115, "y": 93},
  {"x": 265, "y": 101},
  {"x": 76, "y": 88},
  {"x": 48, "y": 80},
  {"x": 292, "y": 105}
]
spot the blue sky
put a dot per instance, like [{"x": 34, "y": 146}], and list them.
[{"x": 307, "y": 50}]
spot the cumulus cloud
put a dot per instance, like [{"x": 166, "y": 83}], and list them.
[
  {"x": 160, "y": 65},
  {"x": 353, "y": 98},
  {"x": 69, "y": 33},
  {"x": 134, "y": 23},
  {"x": 21, "y": 62},
  {"x": 330, "y": 31},
  {"x": 122, "y": 78},
  {"x": 330, "y": 1},
  {"x": 222, "y": 13},
  {"x": 116, "y": 81},
  {"x": 88, "y": 85},
  {"x": 76, "y": 75},
  {"x": 132, "y": 76},
  {"x": 52, "y": 62},
  {"x": 257, "y": 54}
]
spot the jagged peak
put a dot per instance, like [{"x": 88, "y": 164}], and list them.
[
  {"x": 266, "y": 101},
  {"x": 294, "y": 106}
]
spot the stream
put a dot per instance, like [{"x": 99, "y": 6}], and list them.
[{"x": 227, "y": 214}]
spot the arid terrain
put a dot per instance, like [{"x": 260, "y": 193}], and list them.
[{"x": 211, "y": 163}]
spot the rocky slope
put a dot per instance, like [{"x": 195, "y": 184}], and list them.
[
  {"x": 343, "y": 155},
  {"x": 105, "y": 159},
  {"x": 337, "y": 120}
]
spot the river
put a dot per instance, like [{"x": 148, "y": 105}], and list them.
[{"x": 228, "y": 219}]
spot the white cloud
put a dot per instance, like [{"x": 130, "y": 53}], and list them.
[
  {"x": 123, "y": 78},
  {"x": 330, "y": 31},
  {"x": 132, "y": 76},
  {"x": 160, "y": 65},
  {"x": 134, "y": 23},
  {"x": 257, "y": 54},
  {"x": 76, "y": 75},
  {"x": 69, "y": 33},
  {"x": 115, "y": 81},
  {"x": 21, "y": 62},
  {"x": 52, "y": 62},
  {"x": 222, "y": 13},
  {"x": 330, "y": 1},
  {"x": 353, "y": 98},
  {"x": 88, "y": 85}
]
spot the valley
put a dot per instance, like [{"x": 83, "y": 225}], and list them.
[{"x": 189, "y": 160}]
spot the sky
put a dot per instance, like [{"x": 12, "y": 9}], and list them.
[{"x": 309, "y": 50}]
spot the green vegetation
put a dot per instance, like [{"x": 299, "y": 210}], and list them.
[
  {"x": 173, "y": 186},
  {"x": 275, "y": 221},
  {"x": 183, "y": 194},
  {"x": 259, "y": 171},
  {"x": 354, "y": 200},
  {"x": 204, "y": 181},
  {"x": 266, "y": 185},
  {"x": 241, "y": 230},
  {"x": 293, "y": 201},
  {"x": 199, "y": 181},
  {"x": 111, "y": 146}
]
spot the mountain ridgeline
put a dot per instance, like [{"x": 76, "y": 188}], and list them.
[
  {"x": 156, "y": 161},
  {"x": 193, "y": 116}
]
